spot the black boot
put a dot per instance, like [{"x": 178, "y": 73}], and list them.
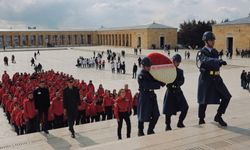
[
  {"x": 219, "y": 119},
  {"x": 202, "y": 121},
  {"x": 180, "y": 124},
  {"x": 168, "y": 127},
  {"x": 141, "y": 133}
]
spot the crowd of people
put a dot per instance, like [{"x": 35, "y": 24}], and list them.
[
  {"x": 245, "y": 80},
  {"x": 244, "y": 53},
  {"x": 35, "y": 102}
]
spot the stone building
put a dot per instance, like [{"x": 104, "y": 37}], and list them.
[
  {"x": 145, "y": 36},
  {"x": 233, "y": 34}
]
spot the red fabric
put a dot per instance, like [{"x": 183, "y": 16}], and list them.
[
  {"x": 100, "y": 91},
  {"x": 129, "y": 95},
  {"x": 99, "y": 109},
  {"x": 92, "y": 109},
  {"x": 90, "y": 97},
  {"x": 107, "y": 100},
  {"x": 91, "y": 87},
  {"x": 14, "y": 114},
  {"x": 29, "y": 109},
  {"x": 121, "y": 105},
  {"x": 159, "y": 59},
  {"x": 57, "y": 106},
  {"x": 51, "y": 115},
  {"x": 135, "y": 101},
  {"x": 19, "y": 119},
  {"x": 83, "y": 105},
  {"x": 83, "y": 93}
]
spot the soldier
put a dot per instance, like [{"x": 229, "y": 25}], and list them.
[
  {"x": 211, "y": 88},
  {"x": 174, "y": 99},
  {"x": 71, "y": 101},
  {"x": 148, "y": 110}
]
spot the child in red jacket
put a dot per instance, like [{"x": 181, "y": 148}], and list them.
[{"x": 122, "y": 112}]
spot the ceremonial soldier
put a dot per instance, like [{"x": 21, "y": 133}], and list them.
[
  {"x": 148, "y": 110},
  {"x": 211, "y": 88},
  {"x": 174, "y": 99}
]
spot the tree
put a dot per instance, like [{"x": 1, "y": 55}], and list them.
[{"x": 190, "y": 33}]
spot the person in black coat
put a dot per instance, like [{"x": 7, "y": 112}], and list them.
[
  {"x": 71, "y": 101},
  {"x": 134, "y": 71},
  {"x": 147, "y": 108},
  {"x": 42, "y": 104},
  {"x": 211, "y": 88},
  {"x": 174, "y": 99},
  {"x": 243, "y": 78}
]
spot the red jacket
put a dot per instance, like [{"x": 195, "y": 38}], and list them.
[
  {"x": 57, "y": 106},
  {"x": 91, "y": 87},
  {"x": 90, "y": 97},
  {"x": 135, "y": 101},
  {"x": 19, "y": 119},
  {"x": 51, "y": 116},
  {"x": 83, "y": 105},
  {"x": 100, "y": 91},
  {"x": 121, "y": 105},
  {"x": 29, "y": 109},
  {"x": 107, "y": 101},
  {"x": 91, "y": 111}
]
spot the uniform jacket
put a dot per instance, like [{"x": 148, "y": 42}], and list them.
[
  {"x": 147, "y": 103},
  {"x": 174, "y": 99},
  {"x": 211, "y": 88}
]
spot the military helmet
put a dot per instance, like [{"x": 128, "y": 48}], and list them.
[
  {"x": 208, "y": 36},
  {"x": 177, "y": 58},
  {"x": 146, "y": 62}
]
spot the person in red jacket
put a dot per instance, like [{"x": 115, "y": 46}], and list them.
[
  {"x": 100, "y": 90},
  {"x": 99, "y": 108},
  {"x": 13, "y": 115},
  {"x": 57, "y": 110},
  {"x": 92, "y": 111},
  {"x": 81, "y": 116},
  {"x": 90, "y": 96},
  {"x": 30, "y": 114},
  {"x": 20, "y": 122},
  {"x": 134, "y": 103},
  {"x": 121, "y": 110},
  {"x": 91, "y": 86},
  {"x": 108, "y": 104}
]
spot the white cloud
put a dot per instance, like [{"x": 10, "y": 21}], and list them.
[{"x": 94, "y": 13}]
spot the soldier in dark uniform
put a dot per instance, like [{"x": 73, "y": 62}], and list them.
[
  {"x": 211, "y": 88},
  {"x": 174, "y": 99},
  {"x": 148, "y": 110},
  {"x": 71, "y": 101}
]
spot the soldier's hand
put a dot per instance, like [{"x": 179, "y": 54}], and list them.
[{"x": 223, "y": 62}]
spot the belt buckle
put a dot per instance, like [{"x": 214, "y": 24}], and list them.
[{"x": 211, "y": 72}]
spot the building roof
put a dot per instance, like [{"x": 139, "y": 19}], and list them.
[
  {"x": 245, "y": 20},
  {"x": 147, "y": 26},
  {"x": 46, "y": 30}
]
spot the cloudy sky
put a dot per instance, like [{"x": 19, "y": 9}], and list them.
[{"x": 115, "y": 13}]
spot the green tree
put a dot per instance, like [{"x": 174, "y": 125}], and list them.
[{"x": 190, "y": 32}]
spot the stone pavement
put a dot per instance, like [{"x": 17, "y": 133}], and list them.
[{"x": 192, "y": 137}]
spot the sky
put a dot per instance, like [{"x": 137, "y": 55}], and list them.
[{"x": 92, "y": 14}]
